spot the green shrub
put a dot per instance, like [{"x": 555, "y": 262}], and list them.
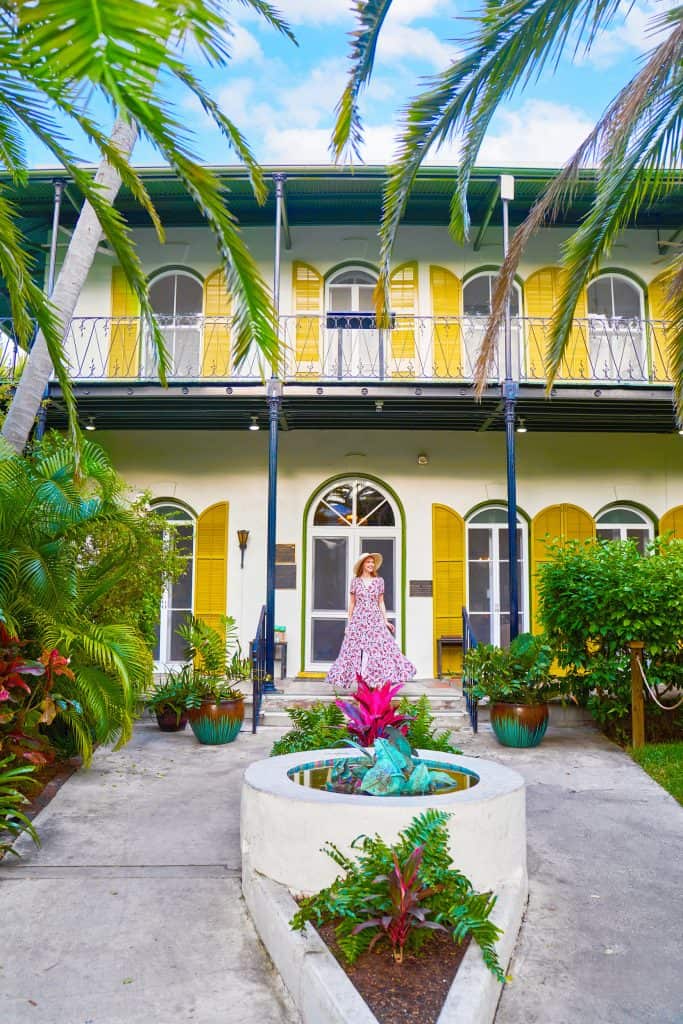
[
  {"x": 594, "y": 599},
  {"x": 402, "y": 893}
]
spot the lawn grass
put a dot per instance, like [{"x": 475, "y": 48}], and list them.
[{"x": 664, "y": 762}]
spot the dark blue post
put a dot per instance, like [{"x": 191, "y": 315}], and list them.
[
  {"x": 510, "y": 389},
  {"x": 274, "y": 401}
]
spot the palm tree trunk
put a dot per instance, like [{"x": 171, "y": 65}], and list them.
[{"x": 79, "y": 258}]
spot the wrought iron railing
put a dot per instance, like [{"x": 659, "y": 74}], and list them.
[
  {"x": 348, "y": 347},
  {"x": 469, "y": 641},
  {"x": 258, "y": 668}
]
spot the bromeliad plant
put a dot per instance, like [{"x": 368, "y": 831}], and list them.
[
  {"x": 388, "y": 768},
  {"x": 372, "y": 713},
  {"x": 402, "y": 894}
]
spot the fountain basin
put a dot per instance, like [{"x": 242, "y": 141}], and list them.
[{"x": 284, "y": 824}]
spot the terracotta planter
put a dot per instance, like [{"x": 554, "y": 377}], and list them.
[
  {"x": 168, "y": 720},
  {"x": 216, "y": 723},
  {"x": 519, "y": 725}
]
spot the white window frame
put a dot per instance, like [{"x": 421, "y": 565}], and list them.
[
  {"x": 358, "y": 344},
  {"x": 163, "y": 664},
  {"x": 189, "y": 320},
  {"x": 648, "y": 527},
  {"x": 604, "y": 331},
  {"x": 494, "y": 567},
  {"x": 478, "y": 323}
]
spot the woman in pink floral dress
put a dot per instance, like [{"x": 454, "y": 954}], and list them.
[{"x": 368, "y": 648}]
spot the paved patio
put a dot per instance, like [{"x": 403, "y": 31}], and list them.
[{"x": 131, "y": 911}]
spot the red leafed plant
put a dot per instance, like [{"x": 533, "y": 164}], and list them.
[
  {"x": 372, "y": 711},
  {"x": 407, "y": 911}
]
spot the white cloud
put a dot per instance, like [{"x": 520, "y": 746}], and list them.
[
  {"x": 244, "y": 46},
  {"x": 401, "y": 42},
  {"x": 636, "y": 32},
  {"x": 314, "y": 12},
  {"x": 538, "y": 134}
]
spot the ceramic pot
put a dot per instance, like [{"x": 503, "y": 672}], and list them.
[
  {"x": 519, "y": 725},
  {"x": 216, "y": 723},
  {"x": 168, "y": 720}
]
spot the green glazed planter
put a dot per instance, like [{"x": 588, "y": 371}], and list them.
[
  {"x": 519, "y": 725},
  {"x": 217, "y": 723}
]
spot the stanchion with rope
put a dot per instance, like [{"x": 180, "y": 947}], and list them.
[{"x": 638, "y": 681}]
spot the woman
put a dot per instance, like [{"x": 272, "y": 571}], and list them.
[{"x": 368, "y": 648}]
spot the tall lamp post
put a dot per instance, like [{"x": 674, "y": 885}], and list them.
[
  {"x": 58, "y": 184},
  {"x": 510, "y": 391}
]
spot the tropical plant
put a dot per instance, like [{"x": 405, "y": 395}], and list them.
[
  {"x": 320, "y": 727},
  {"x": 394, "y": 891},
  {"x": 14, "y": 781},
  {"x": 172, "y": 693},
  {"x": 518, "y": 674},
  {"x": 636, "y": 144},
  {"x": 213, "y": 651},
  {"x": 48, "y": 499},
  {"x": 596, "y": 597},
  {"x": 371, "y": 712},
  {"x": 56, "y": 58},
  {"x": 389, "y": 768},
  {"x": 421, "y": 733}
]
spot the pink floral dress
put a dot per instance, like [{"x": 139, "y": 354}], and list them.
[{"x": 369, "y": 649}]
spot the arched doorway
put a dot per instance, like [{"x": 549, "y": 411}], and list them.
[
  {"x": 177, "y": 298},
  {"x": 345, "y": 519},
  {"x": 488, "y": 586},
  {"x": 176, "y": 602}
]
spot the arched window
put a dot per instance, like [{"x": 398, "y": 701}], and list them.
[
  {"x": 352, "y": 348},
  {"x": 488, "y": 587},
  {"x": 176, "y": 603},
  {"x": 351, "y": 517},
  {"x": 477, "y": 293},
  {"x": 616, "y": 334},
  {"x": 177, "y": 298},
  {"x": 623, "y": 522}
]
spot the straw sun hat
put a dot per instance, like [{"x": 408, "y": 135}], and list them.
[{"x": 368, "y": 554}]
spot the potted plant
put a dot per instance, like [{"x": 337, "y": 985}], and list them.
[
  {"x": 215, "y": 704},
  {"x": 518, "y": 684},
  {"x": 169, "y": 700}
]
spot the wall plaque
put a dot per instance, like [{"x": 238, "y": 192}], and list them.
[
  {"x": 285, "y": 554},
  {"x": 420, "y": 588},
  {"x": 285, "y": 577}
]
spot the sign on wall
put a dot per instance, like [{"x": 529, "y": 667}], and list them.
[
  {"x": 285, "y": 567},
  {"x": 421, "y": 588}
]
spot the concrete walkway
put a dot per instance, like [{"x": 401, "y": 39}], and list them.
[{"x": 131, "y": 912}]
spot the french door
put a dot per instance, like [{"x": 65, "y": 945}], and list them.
[
  {"x": 352, "y": 518},
  {"x": 488, "y": 576}
]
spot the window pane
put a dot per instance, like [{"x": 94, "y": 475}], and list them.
[
  {"x": 504, "y": 547},
  {"x": 183, "y": 539},
  {"x": 640, "y": 537},
  {"x": 161, "y": 296},
  {"x": 340, "y": 299},
  {"x": 385, "y": 546},
  {"x": 481, "y": 627},
  {"x": 366, "y": 301},
  {"x": 490, "y": 515},
  {"x": 479, "y": 587},
  {"x": 189, "y": 295},
  {"x": 600, "y": 298},
  {"x": 604, "y": 533},
  {"x": 480, "y": 544},
  {"x": 373, "y": 504},
  {"x": 626, "y": 299},
  {"x": 327, "y": 638},
  {"x": 180, "y": 592},
  {"x": 353, "y": 277},
  {"x": 336, "y": 507},
  {"x": 329, "y": 573},
  {"x": 504, "y": 584},
  {"x": 184, "y": 343},
  {"x": 477, "y": 296},
  {"x": 621, "y": 515},
  {"x": 171, "y": 512},
  {"x": 178, "y": 646}
]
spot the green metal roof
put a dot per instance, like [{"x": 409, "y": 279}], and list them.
[{"x": 341, "y": 195}]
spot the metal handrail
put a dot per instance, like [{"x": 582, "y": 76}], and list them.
[
  {"x": 258, "y": 668},
  {"x": 469, "y": 641}
]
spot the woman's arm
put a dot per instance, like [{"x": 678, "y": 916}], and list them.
[
  {"x": 383, "y": 610},
  {"x": 352, "y": 604}
]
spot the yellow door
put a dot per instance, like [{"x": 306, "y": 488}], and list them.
[
  {"x": 446, "y": 292},
  {"x": 216, "y": 350},
  {"x": 555, "y": 524},
  {"x": 448, "y": 575},
  {"x": 307, "y": 285},
  {"x": 124, "y": 347},
  {"x": 541, "y": 292},
  {"x": 659, "y": 334},
  {"x": 672, "y": 522},
  {"x": 211, "y": 564},
  {"x": 403, "y": 303}
]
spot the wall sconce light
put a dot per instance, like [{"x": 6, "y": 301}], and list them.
[
  {"x": 254, "y": 423},
  {"x": 423, "y": 459},
  {"x": 90, "y": 425},
  {"x": 521, "y": 426},
  {"x": 242, "y": 538}
]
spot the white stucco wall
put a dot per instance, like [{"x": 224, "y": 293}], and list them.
[{"x": 464, "y": 469}]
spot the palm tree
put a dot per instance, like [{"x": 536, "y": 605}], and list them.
[
  {"x": 637, "y": 144},
  {"x": 58, "y": 54}
]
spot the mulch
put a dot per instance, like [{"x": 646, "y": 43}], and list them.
[{"x": 412, "y": 992}]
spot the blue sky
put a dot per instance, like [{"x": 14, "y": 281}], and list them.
[{"x": 283, "y": 96}]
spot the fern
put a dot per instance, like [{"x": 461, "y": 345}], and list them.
[
  {"x": 362, "y": 895},
  {"x": 320, "y": 727},
  {"x": 421, "y": 733}
]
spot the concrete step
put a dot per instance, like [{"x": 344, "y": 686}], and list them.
[
  {"x": 451, "y": 720},
  {"x": 439, "y": 699}
]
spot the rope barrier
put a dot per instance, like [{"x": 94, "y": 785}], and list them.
[{"x": 653, "y": 693}]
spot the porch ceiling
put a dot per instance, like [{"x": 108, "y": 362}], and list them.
[
  {"x": 199, "y": 406},
  {"x": 338, "y": 195}
]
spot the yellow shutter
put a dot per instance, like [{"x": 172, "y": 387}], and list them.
[
  {"x": 446, "y": 334},
  {"x": 124, "y": 348},
  {"x": 211, "y": 564},
  {"x": 448, "y": 575},
  {"x": 557, "y": 523},
  {"x": 541, "y": 291},
  {"x": 308, "y": 299},
  {"x": 216, "y": 361},
  {"x": 403, "y": 303},
  {"x": 672, "y": 522},
  {"x": 659, "y": 335}
]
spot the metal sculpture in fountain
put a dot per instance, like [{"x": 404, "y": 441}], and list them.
[{"x": 391, "y": 769}]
